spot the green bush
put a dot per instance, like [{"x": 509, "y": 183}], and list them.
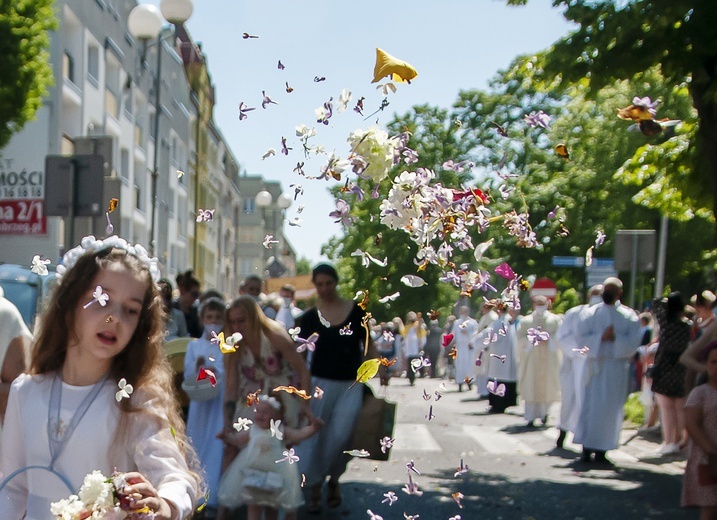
[{"x": 634, "y": 410}]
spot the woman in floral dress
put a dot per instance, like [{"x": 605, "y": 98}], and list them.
[{"x": 265, "y": 358}]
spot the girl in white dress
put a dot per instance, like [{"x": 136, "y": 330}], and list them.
[
  {"x": 265, "y": 475},
  {"x": 72, "y": 414}
]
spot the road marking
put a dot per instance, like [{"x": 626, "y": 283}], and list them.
[
  {"x": 414, "y": 437},
  {"x": 493, "y": 440}
]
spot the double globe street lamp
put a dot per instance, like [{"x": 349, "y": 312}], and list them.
[{"x": 146, "y": 23}]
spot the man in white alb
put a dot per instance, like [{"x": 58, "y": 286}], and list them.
[
  {"x": 464, "y": 331},
  {"x": 611, "y": 333},
  {"x": 572, "y": 365}
]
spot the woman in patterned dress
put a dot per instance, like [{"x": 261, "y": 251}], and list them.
[{"x": 699, "y": 489}]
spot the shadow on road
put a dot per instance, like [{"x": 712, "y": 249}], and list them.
[{"x": 598, "y": 493}]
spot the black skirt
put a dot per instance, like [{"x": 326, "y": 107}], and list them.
[{"x": 500, "y": 403}]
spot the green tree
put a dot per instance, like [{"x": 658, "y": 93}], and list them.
[
  {"x": 26, "y": 71},
  {"x": 303, "y": 266},
  {"x": 586, "y": 186},
  {"x": 619, "y": 39}
]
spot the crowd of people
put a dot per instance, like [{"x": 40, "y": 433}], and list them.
[
  {"x": 588, "y": 360},
  {"x": 271, "y": 385},
  {"x": 233, "y": 427}
]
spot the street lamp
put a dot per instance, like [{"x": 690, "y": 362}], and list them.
[
  {"x": 263, "y": 199},
  {"x": 145, "y": 23},
  {"x": 283, "y": 201}
]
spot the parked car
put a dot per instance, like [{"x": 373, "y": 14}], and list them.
[{"x": 27, "y": 290}]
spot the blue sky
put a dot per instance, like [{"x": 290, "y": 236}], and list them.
[{"x": 454, "y": 44}]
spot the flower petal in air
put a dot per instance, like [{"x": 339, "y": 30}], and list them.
[
  {"x": 387, "y": 65},
  {"x": 412, "y": 280}
]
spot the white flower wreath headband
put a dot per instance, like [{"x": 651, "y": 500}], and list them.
[{"x": 90, "y": 244}]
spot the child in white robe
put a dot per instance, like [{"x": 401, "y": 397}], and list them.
[
  {"x": 76, "y": 411},
  {"x": 205, "y": 418}
]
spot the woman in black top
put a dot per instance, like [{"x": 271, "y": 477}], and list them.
[
  {"x": 333, "y": 365},
  {"x": 189, "y": 287},
  {"x": 668, "y": 374}
]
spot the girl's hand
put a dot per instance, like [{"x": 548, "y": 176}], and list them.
[
  {"x": 141, "y": 493},
  {"x": 306, "y": 412},
  {"x": 316, "y": 423},
  {"x": 230, "y": 438}
]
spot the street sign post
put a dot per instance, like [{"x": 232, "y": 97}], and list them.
[
  {"x": 635, "y": 250},
  {"x": 74, "y": 187}
]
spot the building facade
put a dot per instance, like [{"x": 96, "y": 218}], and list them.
[{"x": 103, "y": 103}]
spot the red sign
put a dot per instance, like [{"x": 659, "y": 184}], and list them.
[{"x": 22, "y": 217}]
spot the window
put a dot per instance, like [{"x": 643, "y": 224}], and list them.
[
  {"x": 174, "y": 155},
  {"x": 111, "y": 104},
  {"x": 138, "y": 197},
  {"x": 182, "y": 225},
  {"x": 124, "y": 163},
  {"x": 248, "y": 205},
  {"x": 139, "y": 134},
  {"x": 93, "y": 64},
  {"x": 68, "y": 67},
  {"x": 152, "y": 117}
]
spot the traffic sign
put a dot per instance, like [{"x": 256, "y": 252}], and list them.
[{"x": 568, "y": 261}]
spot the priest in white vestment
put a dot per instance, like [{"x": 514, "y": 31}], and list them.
[
  {"x": 499, "y": 341},
  {"x": 481, "y": 371},
  {"x": 538, "y": 364},
  {"x": 464, "y": 331},
  {"x": 572, "y": 365},
  {"x": 611, "y": 333}
]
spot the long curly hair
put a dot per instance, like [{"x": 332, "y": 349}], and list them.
[{"x": 142, "y": 362}]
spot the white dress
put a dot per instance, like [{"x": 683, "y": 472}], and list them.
[
  {"x": 150, "y": 449},
  {"x": 205, "y": 419},
  {"x": 261, "y": 454},
  {"x": 605, "y": 374},
  {"x": 464, "y": 329}
]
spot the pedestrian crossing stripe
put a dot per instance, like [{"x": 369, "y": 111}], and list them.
[
  {"x": 417, "y": 437},
  {"x": 495, "y": 441},
  {"x": 414, "y": 437}
]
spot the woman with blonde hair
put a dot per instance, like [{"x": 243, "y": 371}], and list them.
[
  {"x": 265, "y": 358},
  {"x": 414, "y": 339}
]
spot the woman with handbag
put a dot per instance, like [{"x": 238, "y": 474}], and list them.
[
  {"x": 339, "y": 351},
  {"x": 700, "y": 484}
]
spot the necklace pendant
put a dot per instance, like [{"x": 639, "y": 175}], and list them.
[{"x": 59, "y": 428}]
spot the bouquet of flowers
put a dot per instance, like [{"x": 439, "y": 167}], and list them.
[{"x": 100, "y": 498}]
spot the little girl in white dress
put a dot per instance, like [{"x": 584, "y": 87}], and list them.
[{"x": 265, "y": 475}]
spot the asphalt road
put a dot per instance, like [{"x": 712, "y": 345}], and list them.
[{"x": 514, "y": 472}]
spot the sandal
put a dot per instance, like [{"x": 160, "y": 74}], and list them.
[
  {"x": 334, "y": 499},
  {"x": 314, "y": 506}
]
